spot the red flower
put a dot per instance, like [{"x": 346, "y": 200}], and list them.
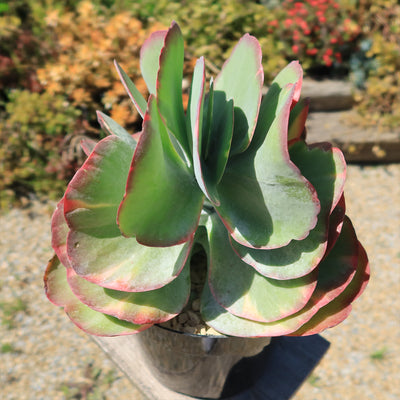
[
  {"x": 288, "y": 22},
  {"x": 296, "y": 35},
  {"x": 274, "y": 23},
  {"x": 327, "y": 60},
  {"x": 338, "y": 57}
]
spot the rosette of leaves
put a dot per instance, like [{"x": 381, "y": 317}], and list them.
[{"x": 233, "y": 174}]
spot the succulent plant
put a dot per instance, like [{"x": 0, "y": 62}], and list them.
[{"x": 232, "y": 174}]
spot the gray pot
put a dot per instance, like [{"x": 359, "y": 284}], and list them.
[{"x": 209, "y": 367}]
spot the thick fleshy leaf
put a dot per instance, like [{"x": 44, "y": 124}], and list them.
[
  {"x": 292, "y": 73},
  {"x": 169, "y": 86},
  {"x": 59, "y": 232},
  {"x": 336, "y": 223},
  {"x": 88, "y": 145},
  {"x": 134, "y": 94},
  {"x": 241, "y": 290},
  {"x": 335, "y": 273},
  {"x": 150, "y": 59},
  {"x": 195, "y": 115},
  {"x": 255, "y": 185},
  {"x": 208, "y": 119},
  {"x": 330, "y": 179},
  {"x": 337, "y": 269},
  {"x": 92, "y": 322},
  {"x": 95, "y": 192},
  {"x": 154, "y": 306},
  {"x": 209, "y": 158},
  {"x": 162, "y": 203},
  {"x": 241, "y": 79},
  {"x": 271, "y": 102},
  {"x": 55, "y": 283},
  {"x": 113, "y": 128},
  {"x": 226, "y": 323},
  {"x": 299, "y": 258},
  {"x": 122, "y": 263},
  {"x": 297, "y": 121},
  {"x": 215, "y": 158},
  {"x": 95, "y": 247},
  {"x": 339, "y": 308}
]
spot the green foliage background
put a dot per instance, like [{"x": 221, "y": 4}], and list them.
[{"x": 56, "y": 66}]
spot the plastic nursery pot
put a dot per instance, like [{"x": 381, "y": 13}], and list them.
[{"x": 209, "y": 367}]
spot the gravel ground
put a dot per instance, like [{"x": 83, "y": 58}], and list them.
[{"x": 44, "y": 356}]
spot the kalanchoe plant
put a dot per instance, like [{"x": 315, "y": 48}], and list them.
[{"x": 234, "y": 174}]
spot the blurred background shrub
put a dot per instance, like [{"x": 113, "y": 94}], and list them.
[
  {"x": 33, "y": 137},
  {"x": 49, "y": 102},
  {"x": 321, "y": 33},
  {"x": 378, "y": 96},
  {"x": 56, "y": 66},
  {"x": 85, "y": 43}
]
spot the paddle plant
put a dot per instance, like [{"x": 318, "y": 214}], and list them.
[{"x": 232, "y": 174}]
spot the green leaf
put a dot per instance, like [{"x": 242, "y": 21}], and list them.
[
  {"x": 335, "y": 273},
  {"x": 95, "y": 247},
  {"x": 207, "y": 120},
  {"x": 134, "y": 94},
  {"x": 195, "y": 115},
  {"x": 93, "y": 196},
  {"x": 338, "y": 309},
  {"x": 226, "y": 323},
  {"x": 335, "y": 223},
  {"x": 169, "y": 86},
  {"x": 337, "y": 269},
  {"x": 149, "y": 59},
  {"x": 325, "y": 167},
  {"x": 242, "y": 291},
  {"x": 88, "y": 145},
  {"x": 210, "y": 158},
  {"x": 299, "y": 258},
  {"x": 55, "y": 283},
  {"x": 113, "y": 128},
  {"x": 162, "y": 204},
  {"x": 122, "y": 263},
  {"x": 265, "y": 201},
  {"x": 292, "y": 73},
  {"x": 272, "y": 101},
  {"x": 92, "y": 322},
  {"x": 59, "y": 232},
  {"x": 241, "y": 79},
  {"x": 154, "y": 306},
  {"x": 297, "y": 120},
  {"x": 217, "y": 153}
]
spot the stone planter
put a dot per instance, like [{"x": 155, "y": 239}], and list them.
[
  {"x": 209, "y": 367},
  {"x": 283, "y": 365}
]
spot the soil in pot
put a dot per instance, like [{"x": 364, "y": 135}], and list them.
[{"x": 189, "y": 320}]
